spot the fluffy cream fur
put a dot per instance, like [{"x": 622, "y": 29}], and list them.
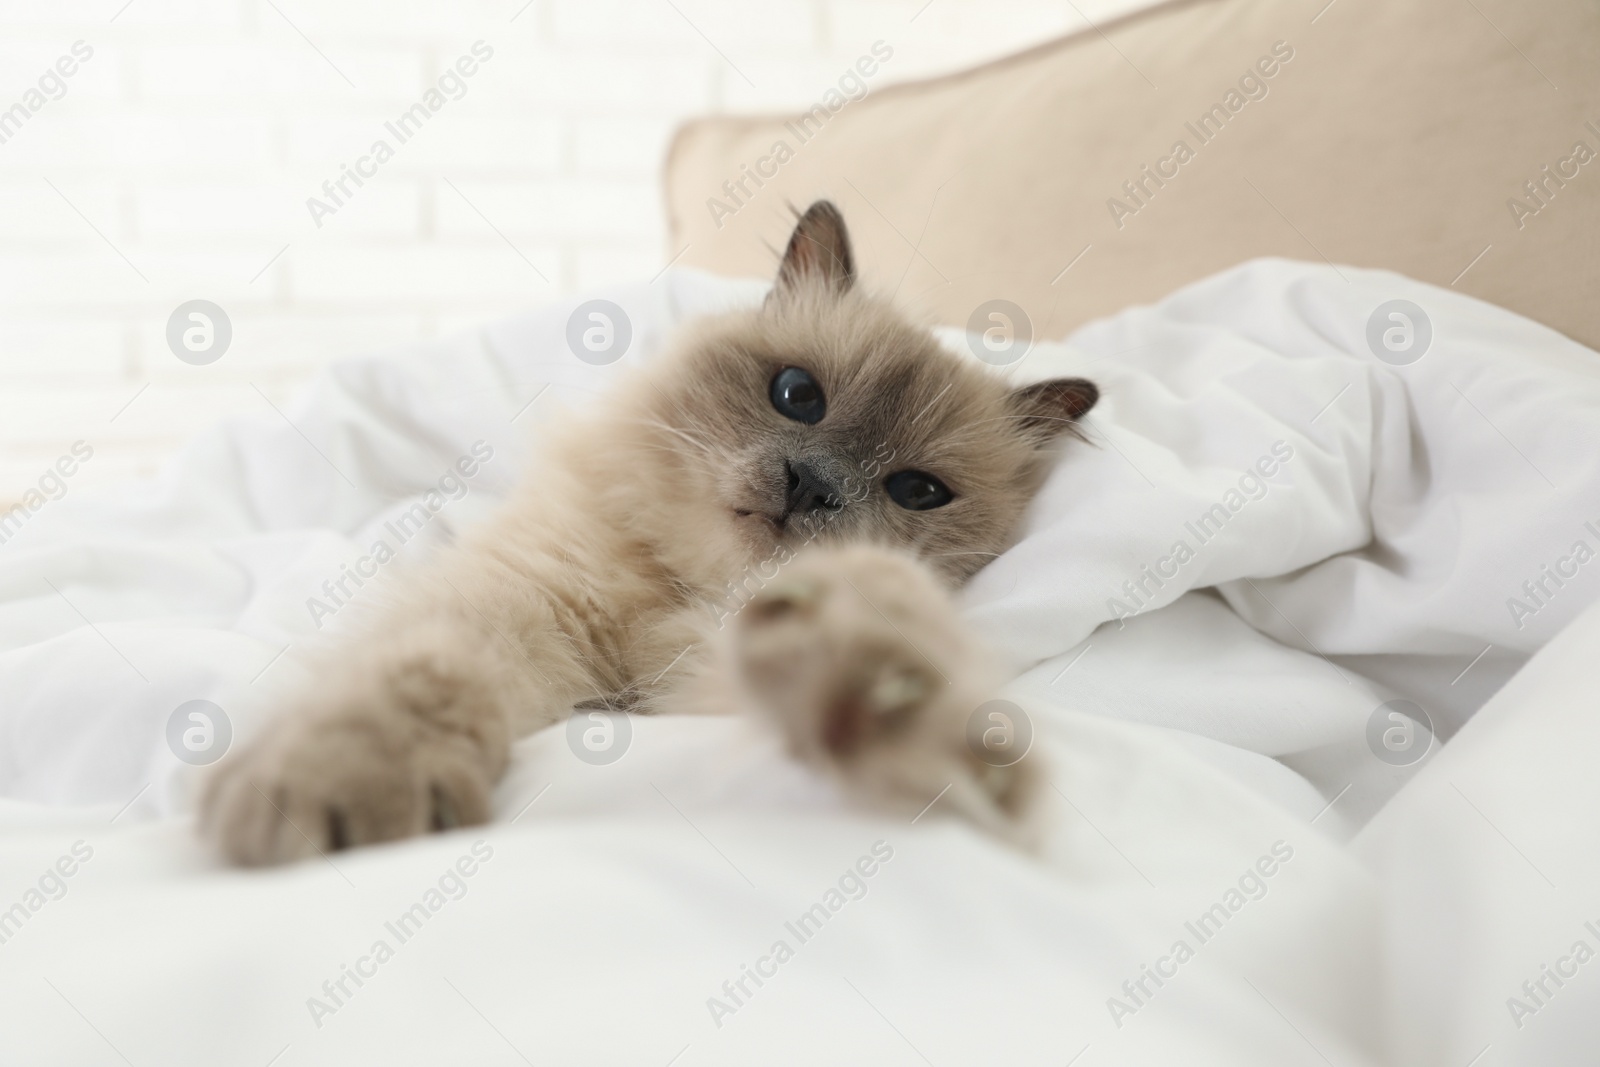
[{"x": 658, "y": 559}]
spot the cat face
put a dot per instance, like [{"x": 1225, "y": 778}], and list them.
[{"x": 826, "y": 416}]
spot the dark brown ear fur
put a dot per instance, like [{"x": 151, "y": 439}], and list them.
[
  {"x": 818, "y": 254},
  {"x": 1048, "y": 409}
]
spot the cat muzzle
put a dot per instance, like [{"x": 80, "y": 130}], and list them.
[{"x": 809, "y": 491}]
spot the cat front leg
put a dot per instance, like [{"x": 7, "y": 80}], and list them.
[
  {"x": 406, "y": 729},
  {"x": 858, "y": 657}
]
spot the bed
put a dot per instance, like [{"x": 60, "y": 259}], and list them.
[{"x": 1321, "y": 785}]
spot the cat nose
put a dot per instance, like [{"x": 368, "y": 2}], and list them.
[{"x": 809, "y": 490}]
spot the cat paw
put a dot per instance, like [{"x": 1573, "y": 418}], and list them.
[
  {"x": 858, "y": 657},
  {"x": 359, "y": 769}
]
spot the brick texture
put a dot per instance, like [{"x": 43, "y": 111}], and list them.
[{"x": 175, "y": 163}]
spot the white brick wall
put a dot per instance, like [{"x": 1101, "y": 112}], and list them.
[{"x": 193, "y": 136}]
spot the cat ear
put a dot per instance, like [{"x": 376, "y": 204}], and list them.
[
  {"x": 1046, "y": 410},
  {"x": 818, "y": 254}
]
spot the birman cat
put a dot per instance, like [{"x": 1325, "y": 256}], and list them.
[{"x": 767, "y": 518}]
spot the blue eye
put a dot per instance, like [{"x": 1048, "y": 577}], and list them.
[
  {"x": 916, "y": 491},
  {"x": 796, "y": 395}
]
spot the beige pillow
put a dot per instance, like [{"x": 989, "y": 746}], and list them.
[{"x": 1457, "y": 141}]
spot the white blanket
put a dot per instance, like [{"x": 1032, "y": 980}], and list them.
[{"x": 1384, "y": 556}]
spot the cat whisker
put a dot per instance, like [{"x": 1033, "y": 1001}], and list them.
[
  {"x": 1073, "y": 427},
  {"x": 683, "y": 435}
]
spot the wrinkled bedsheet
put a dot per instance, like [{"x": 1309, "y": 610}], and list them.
[{"x": 1324, "y": 515}]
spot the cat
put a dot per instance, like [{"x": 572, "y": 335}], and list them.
[{"x": 772, "y": 514}]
